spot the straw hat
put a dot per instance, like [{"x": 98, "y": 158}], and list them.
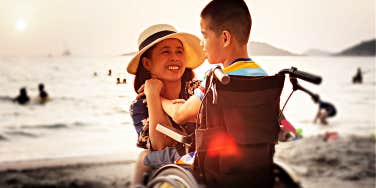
[{"x": 156, "y": 33}]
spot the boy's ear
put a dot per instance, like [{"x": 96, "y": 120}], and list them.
[
  {"x": 226, "y": 38},
  {"x": 146, "y": 62}
]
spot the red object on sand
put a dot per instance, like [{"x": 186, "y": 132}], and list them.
[
  {"x": 330, "y": 135},
  {"x": 287, "y": 125}
]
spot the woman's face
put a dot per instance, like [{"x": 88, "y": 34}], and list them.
[{"x": 167, "y": 61}]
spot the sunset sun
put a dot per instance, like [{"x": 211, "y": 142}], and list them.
[{"x": 21, "y": 25}]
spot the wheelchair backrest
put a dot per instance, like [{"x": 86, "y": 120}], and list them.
[{"x": 237, "y": 130}]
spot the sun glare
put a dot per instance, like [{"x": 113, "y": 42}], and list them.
[{"x": 21, "y": 25}]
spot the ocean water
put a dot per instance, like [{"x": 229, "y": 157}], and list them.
[{"x": 88, "y": 115}]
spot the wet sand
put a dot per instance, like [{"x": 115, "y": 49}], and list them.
[
  {"x": 338, "y": 162},
  {"x": 94, "y": 172},
  {"x": 341, "y": 162}
]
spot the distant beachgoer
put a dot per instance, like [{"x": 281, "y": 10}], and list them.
[
  {"x": 22, "y": 98},
  {"x": 124, "y": 81},
  {"x": 118, "y": 80},
  {"x": 358, "y": 78},
  {"x": 43, "y": 95},
  {"x": 325, "y": 111},
  {"x": 95, "y": 74},
  {"x": 109, "y": 72}
]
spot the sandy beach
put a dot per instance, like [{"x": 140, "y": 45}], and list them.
[
  {"x": 339, "y": 162},
  {"x": 89, "y": 172}
]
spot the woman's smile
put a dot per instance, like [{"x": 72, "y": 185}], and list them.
[{"x": 173, "y": 67}]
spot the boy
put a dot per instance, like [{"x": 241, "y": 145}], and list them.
[{"x": 225, "y": 26}]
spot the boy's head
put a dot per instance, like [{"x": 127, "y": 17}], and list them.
[{"x": 229, "y": 20}]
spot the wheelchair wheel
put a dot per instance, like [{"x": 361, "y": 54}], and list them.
[
  {"x": 284, "y": 177},
  {"x": 172, "y": 176}
]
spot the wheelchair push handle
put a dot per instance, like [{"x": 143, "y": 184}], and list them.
[
  {"x": 302, "y": 75},
  {"x": 223, "y": 77}
]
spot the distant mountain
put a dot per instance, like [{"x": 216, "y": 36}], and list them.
[
  {"x": 365, "y": 48},
  {"x": 254, "y": 49},
  {"x": 316, "y": 52},
  {"x": 129, "y": 53},
  {"x": 263, "y": 49}
]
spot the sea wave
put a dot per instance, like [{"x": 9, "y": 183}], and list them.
[
  {"x": 3, "y": 138},
  {"x": 48, "y": 126},
  {"x": 34, "y": 131},
  {"x": 22, "y": 133},
  {"x": 6, "y": 98}
]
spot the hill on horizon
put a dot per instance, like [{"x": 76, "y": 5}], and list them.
[
  {"x": 264, "y": 49},
  {"x": 254, "y": 49},
  {"x": 128, "y": 53},
  {"x": 364, "y": 48}
]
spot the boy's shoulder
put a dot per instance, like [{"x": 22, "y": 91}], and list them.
[{"x": 245, "y": 67}]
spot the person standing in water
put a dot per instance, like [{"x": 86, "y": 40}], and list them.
[
  {"x": 22, "y": 98},
  {"x": 43, "y": 95},
  {"x": 358, "y": 78}
]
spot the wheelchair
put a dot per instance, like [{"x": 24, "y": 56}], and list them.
[{"x": 235, "y": 135}]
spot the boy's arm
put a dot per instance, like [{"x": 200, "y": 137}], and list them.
[
  {"x": 317, "y": 116},
  {"x": 182, "y": 112}
]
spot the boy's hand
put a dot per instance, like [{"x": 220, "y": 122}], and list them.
[
  {"x": 153, "y": 86},
  {"x": 140, "y": 92},
  {"x": 178, "y": 101}
]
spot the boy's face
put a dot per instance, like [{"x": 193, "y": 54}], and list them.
[{"x": 211, "y": 43}]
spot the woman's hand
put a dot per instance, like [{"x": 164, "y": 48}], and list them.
[{"x": 153, "y": 87}]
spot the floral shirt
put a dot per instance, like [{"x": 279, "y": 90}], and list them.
[{"x": 140, "y": 116}]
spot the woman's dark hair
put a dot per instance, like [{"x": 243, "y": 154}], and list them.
[{"x": 142, "y": 74}]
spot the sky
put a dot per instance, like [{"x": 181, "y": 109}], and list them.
[{"x": 111, "y": 27}]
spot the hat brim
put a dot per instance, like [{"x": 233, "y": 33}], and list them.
[{"x": 193, "y": 51}]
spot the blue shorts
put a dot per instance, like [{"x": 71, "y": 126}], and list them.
[{"x": 155, "y": 159}]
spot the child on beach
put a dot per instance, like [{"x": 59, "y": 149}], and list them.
[
  {"x": 325, "y": 110},
  {"x": 225, "y": 26}
]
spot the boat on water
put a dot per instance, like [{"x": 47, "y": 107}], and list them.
[{"x": 66, "y": 53}]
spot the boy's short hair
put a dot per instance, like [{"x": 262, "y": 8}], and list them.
[{"x": 230, "y": 15}]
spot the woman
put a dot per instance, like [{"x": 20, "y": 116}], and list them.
[{"x": 162, "y": 67}]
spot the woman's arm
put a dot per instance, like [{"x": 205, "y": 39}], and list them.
[{"x": 156, "y": 114}]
